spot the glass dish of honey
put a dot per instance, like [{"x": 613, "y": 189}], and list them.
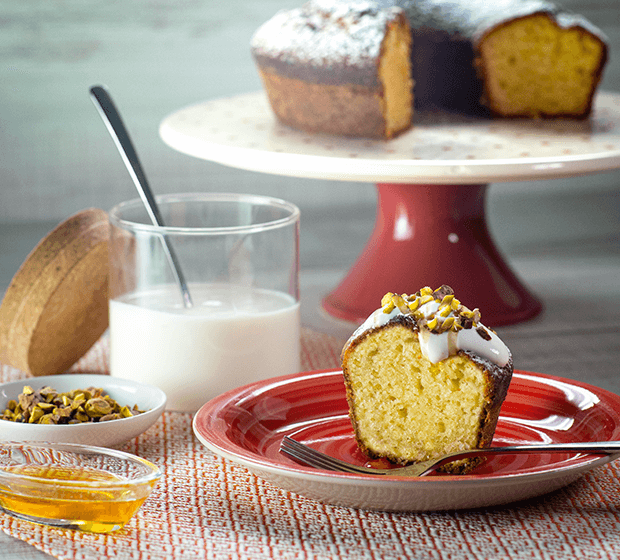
[{"x": 73, "y": 486}]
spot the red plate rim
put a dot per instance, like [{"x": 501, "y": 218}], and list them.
[{"x": 217, "y": 434}]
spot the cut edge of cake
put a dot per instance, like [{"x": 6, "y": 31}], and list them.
[{"x": 553, "y": 74}]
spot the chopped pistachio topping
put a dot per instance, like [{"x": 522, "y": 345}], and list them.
[
  {"x": 450, "y": 314},
  {"x": 47, "y": 406}
]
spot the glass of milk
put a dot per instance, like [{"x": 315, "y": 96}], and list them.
[{"x": 239, "y": 255}]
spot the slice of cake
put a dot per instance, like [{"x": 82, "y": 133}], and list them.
[
  {"x": 424, "y": 377},
  {"x": 338, "y": 67}
]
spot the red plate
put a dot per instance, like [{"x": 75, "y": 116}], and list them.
[{"x": 247, "y": 424}]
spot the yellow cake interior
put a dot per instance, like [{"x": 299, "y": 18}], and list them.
[
  {"x": 534, "y": 67},
  {"x": 408, "y": 409},
  {"x": 395, "y": 76}
]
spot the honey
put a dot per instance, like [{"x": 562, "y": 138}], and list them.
[{"x": 45, "y": 498}]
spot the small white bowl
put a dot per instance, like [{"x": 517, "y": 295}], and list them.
[{"x": 111, "y": 433}]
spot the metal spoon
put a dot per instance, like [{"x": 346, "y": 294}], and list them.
[{"x": 112, "y": 119}]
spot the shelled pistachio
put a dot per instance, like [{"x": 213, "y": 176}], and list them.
[{"x": 48, "y": 406}]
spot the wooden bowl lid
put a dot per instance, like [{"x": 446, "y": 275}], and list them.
[{"x": 56, "y": 306}]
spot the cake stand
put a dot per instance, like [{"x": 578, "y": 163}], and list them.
[{"x": 431, "y": 227}]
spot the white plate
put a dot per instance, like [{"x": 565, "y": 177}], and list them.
[
  {"x": 102, "y": 434},
  {"x": 242, "y": 132}
]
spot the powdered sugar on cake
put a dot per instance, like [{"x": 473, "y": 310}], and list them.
[{"x": 292, "y": 36}]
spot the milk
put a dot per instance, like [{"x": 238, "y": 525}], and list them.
[{"x": 230, "y": 337}]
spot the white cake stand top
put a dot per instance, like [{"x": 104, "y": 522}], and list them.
[{"x": 242, "y": 132}]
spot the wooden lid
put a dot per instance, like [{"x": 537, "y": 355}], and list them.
[{"x": 56, "y": 306}]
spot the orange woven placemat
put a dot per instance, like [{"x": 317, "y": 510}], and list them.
[{"x": 207, "y": 507}]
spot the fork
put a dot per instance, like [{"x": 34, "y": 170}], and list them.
[{"x": 311, "y": 457}]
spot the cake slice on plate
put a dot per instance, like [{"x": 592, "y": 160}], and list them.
[{"x": 425, "y": 377}]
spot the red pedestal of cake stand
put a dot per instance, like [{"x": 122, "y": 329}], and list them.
[{"x": 429, "y": 235}]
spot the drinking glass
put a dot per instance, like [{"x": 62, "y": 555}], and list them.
[{"x": 238, "y": 256}]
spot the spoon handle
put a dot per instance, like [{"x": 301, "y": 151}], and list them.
[{"x": 114, "y": 123}]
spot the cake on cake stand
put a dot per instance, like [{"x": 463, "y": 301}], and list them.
[{"x": 431, "y": 226}]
